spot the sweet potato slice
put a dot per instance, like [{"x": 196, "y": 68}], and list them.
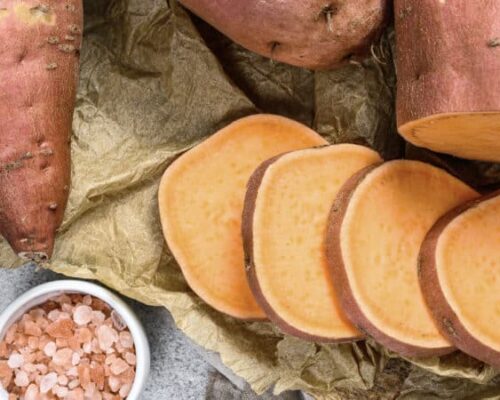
[
  {"x": 448, "y": 62},
  {"x": 460, "y": 277},
  {"x": 39, "y": 65},
  {"x": 201, "y": 202},
  {"x": 377, "y": 225},
  {"x": 284, "y": 224}
]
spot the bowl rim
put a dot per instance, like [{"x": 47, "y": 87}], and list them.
[{"x": 41, "y": 293}]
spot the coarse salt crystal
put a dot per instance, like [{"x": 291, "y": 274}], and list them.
[
  {"x": 48, "y": 382},
  {"x": 106, "y": 336},
  {"x": 32, "y": 329},
  {"x": 22, "y": 379},
  {"x": 126, "y": 340},
  {"x": 61, "y": 392},
  {"x": 75, "y": 359},
  {"x": 62, "y": 380},
  {"x": 82, "y": 315},
  {"x": 87, "y": 300},
  {"x": 73, "y": 371},
  {"x": 87, "y": 348},
  {"x": 62, "y": 357},
  {"x": 125, "y": 390},
  {"x": 98, "y": 317},
  {"x": 53, "y": 315},
  {"x": 16, "y": 360},
  {"x": 50, "y": 349},
  {"x": 29, "y": 368},
  {"x": 32, "y": 392},
  {"x": 74, "y": 383},
  {"x": 114, "y": 383},
  {"x": 130, "y": 358},
  {"x": 76, "y": 394},
  {"x": 118, "y": 322},
  {"x": 118, "y": 366}
]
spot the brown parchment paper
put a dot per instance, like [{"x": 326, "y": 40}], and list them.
[{"x": 155, "y": 82}]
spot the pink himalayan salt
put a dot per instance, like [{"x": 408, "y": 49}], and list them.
[
  {"x": 62, "y": 329},
  {"x": 10, "y": 335},
  {"x": 48, "y": 382},
  {"x": 61, "y": 391},
  {"x": 98, "y": 317},
  {"x": 87, "y": 300},
  {"x": 125, "y": 390},
  {"x": 32, "y": 393},
  {"x": 73, "y": 384},
  {"x": 106, "y": 336},
  {"x": 16, "y": 360},
  {"x": 126, "y": 340},
  {"x": 130, "y": 358},
  {"x": 50, "y": 349},
  {"x": 32, "y": 329},
  {"x": 62, "y": 380},
  {"x": 114, "y": 383},
  {"x": 22, "y": 379},
  {"x": 118, "y": 322},
  {"x": 29, "y": 368},
  {"x": 62, "y": 357},
  {"x": 54, "y": 315},
  {"x": 76, "y": 394},
  {"x": 33, "y": 342},
  {"x": 75, "y": 359},
  {"x": 73, "y": 371},
  {"x": 118, "y": 366},
  {"x": 82, "y": 315}
]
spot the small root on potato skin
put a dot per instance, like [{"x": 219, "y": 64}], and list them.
[
  {"x": 51, "y": 66},
  {"x": 52, "y": 40},
  {"x": 53, "y": 206},
  {"x": 327, "y": 12},
  {"x": 37, "y": 257},
  {"x": 495, "y": 42},
  {"x": 449, "y": 327}
]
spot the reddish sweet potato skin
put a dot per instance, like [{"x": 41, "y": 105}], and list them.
[
  {"x": 448, "y": 57},
  {"x": 341, "y": 282},
  {"x": 39, "y": 64},
  {"x": 447, "y": 321},
  {"x": 313, "y": 34}
]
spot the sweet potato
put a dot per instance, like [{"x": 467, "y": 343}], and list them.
[
  {"x": 313, "y": 34},
  {"x": 39, "y": 55},
  {"x": 201, "y": 202},
  {"x": 448, "y": 62},
  {"x": 459, "y": 276},
  {"x": 284, "y": 223},
  {"x": 377, "y": 225}
]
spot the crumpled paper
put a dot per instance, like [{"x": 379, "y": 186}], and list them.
[{"x": 156, "y": 81}]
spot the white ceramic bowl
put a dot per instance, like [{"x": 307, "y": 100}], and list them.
[{"x": 40, "y": 294}]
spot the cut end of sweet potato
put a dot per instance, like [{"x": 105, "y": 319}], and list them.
[
  {"x": 468, "y": 135},
  {"x": 284, "y": 225},
  {"x": 201, "y": 202},
  {"x": 460, "y": 270},
  {"x": 377, "y": 225}
]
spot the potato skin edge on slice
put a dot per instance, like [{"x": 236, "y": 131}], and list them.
[
  {"x": 342, "y": 286},
  {"x": 247, "y": 232},
  {"x": 447, "y": 320}
]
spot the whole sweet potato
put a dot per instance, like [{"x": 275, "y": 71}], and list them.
[
  {"x": 308, "y": 33},
  {"x": 39, "y": 59}
]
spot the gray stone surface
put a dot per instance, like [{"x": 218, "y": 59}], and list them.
[{"x": 179, "y": 370}]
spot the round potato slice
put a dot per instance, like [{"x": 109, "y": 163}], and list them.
[{"x": 377, "y": 226}]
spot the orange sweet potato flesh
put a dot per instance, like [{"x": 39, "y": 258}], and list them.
[
  {"x": 313, "y": 34},
  {"x": 377, "y": 225},
  {"x": 459, "y": 275},
  {"x": 39, "y": 58},
  {"x": 201, "y": 202},
  {"x": 284, "y": 224},
  {"x": 448, "y": 62}
]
